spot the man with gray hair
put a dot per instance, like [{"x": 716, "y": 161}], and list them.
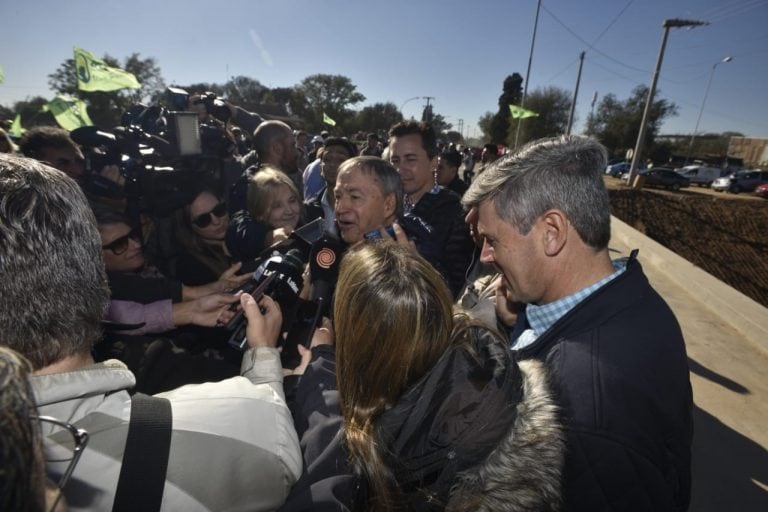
[
  {"x": 232, "y": 443},
  {"x": 613, "y": 346}
]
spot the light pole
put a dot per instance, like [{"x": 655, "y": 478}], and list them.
[
  {"x": 575, "y": 95},
  {"x": 406, "y": 102},
  {"x": 638, "y": 152},
  {"x": 528, "y": 72},
  {"x": 701, "y": 110}
]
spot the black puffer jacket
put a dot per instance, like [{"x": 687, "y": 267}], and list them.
[
  {"x": 619, "y": 367},
  {"x": 443, "y": 212},
  {"x": 478, "y": 430}
]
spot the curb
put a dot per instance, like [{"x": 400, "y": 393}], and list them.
[{"x": 733, "y": 307}]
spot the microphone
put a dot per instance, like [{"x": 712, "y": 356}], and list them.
[
  {"x": 280, "y": 277},
  {"x": 324, "y": 261},
  {"x": 300, "y": 240}
]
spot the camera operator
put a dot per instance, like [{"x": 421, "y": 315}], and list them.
[
  {"x": 53, "y": 146},
  {"x": 233, "y": 445}
]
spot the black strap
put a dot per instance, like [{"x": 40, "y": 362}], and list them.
[{"x": 145, "y": 461}]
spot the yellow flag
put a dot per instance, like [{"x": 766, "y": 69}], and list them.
[
  {"x": 94, "y": 75},
  {"x": 328, "y": 120},
  {"x": 521, "y": 113},
  {"x": 69, "y": 112}
]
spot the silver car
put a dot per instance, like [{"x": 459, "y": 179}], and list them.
[{"x": 742, "y": 181}]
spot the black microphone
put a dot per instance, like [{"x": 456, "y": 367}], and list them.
[
  {"x": 300, "y": 240},
  {"x": 280, "y": 277},
  {"x": 324, "y": 261}
]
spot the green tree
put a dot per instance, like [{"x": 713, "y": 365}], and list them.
[
  {"x": 454, "y": 136},
  {"x": 512, "y": 92},
  {"x": 378, "y": 118},
  {"x": 553, "y": 106},
  {"x": 245, "y": 92},
  {"x": 31, "y": 112},
  {"x": 106, "y": 108},
  {"x": 617, "y": 123},
  {"x": 329, "y": 94},
  {"x": 484, "y": 124}
]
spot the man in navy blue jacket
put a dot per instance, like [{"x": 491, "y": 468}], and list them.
[{"x": 614, "y": 348}]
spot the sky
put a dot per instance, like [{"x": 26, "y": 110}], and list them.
[{"x": 456, "y": 51}]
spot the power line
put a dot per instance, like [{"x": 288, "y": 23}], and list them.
[
  {"x": 577, "y": 36},
  {"x": 614, "y": 20},
  {"x": 727, "y": 11}
]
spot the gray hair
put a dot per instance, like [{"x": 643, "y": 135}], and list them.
[
  {"x": 564, "y": 173},
  {"x": 388, "y": 178},
  {"x": 54, "y": 287}
]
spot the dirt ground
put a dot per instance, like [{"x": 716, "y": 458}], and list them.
[{"x": 724, "y": 234}]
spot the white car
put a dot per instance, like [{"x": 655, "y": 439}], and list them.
[{"x": 700, "y": 175}]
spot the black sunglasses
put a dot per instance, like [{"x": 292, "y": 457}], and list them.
[
  {"x": 203, "y": 220},
  {"x": 120, "y": 245}
]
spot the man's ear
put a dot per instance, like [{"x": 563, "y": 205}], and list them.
[
  {"x": 390, "y": 203},
  {"x": 553, "y": 226}
]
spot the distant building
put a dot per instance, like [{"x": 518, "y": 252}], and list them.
[{"x": 752, "y": 151}]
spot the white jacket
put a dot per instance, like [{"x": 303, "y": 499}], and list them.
[{"x": 233, "y": 445}]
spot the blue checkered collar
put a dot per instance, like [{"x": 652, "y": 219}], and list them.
[{"x": 541, "y": 318}]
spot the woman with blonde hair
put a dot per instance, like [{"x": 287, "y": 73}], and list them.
[
  {"x": 273, "y": 199},
  {"x": 436, "y": 414}
]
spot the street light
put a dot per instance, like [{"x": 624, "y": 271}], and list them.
[
  {"x": 701, "y": 110},
  {"x": 406, "y": 102},
  {"x": 638, "y": 152}
]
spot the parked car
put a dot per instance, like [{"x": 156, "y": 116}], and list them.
[
  {"x": 762, "y": 190},
  {"x": 742, "y": 181},
  {"x": 616, "y": 170},
  {"x": 700, "y": 174},
  {"x": 620, "y": 169},
  {"x": 664, "y": 177}
]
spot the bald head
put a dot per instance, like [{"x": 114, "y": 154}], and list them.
[{"x": 276, "y": 145}]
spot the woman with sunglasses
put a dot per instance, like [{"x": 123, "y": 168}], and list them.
[{"x": 201, "y": 228}]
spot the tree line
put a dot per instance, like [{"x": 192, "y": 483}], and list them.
[{"x": 615, "y": 122}]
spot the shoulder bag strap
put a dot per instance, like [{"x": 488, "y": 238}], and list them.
[{"x": 145, "y": 461}]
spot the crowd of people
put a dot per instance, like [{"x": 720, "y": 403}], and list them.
[{"x": 481, "y": 352}]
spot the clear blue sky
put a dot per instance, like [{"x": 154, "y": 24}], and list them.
[{"x": 459, "y": 52}]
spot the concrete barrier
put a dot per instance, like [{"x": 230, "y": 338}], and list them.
[{"x": 731, "y": 306}]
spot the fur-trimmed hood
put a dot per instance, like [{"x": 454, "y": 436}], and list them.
[{"x": 479, "y": 432}]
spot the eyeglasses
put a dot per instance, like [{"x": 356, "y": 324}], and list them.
[
  {"x": 64, "y": 445},
  {"x": 120, "y": 245},
  {"x": 204, "y": 220}
]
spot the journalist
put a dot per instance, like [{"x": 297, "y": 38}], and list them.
[{"x": 232, "y": 443}]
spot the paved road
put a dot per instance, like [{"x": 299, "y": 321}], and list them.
[{"x": 729, "y": 376}]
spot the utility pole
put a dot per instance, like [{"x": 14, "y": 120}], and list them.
[
  {"x": 528, "y": 72},
  {"x": 638, "y": 152},
  {"x": 427, "y": 114},
  {"x": 575, "y": 95},
  {"x": 461, "y": 128}
]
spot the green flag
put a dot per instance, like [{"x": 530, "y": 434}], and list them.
[
  {"x": 94, "y": 75},
  {"x": 521, "y": 113},
  {"x": 328, "y": 120},
  {"x": 16, "y": 129},
  {"x": 2, "y": 75},
  {"x": 69, "y": 112}
]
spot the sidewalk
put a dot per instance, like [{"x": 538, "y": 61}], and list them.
[{"x": 726, "y": 336}]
